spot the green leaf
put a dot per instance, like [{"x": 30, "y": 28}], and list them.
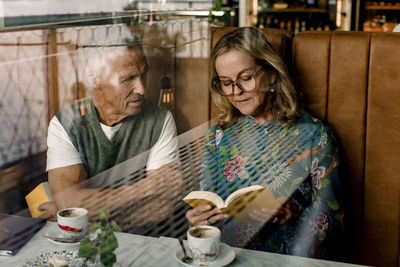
[
  {"x": 234, "y": 151},
  {"x": 338, "y": 217},
  {"x": 115, "y": 226},
  {"x": 208, "y": 135},
  {"x": 103, "y": 214},
  {"x": 94, "y": 226},
  {"x": 223, "y": 161},
  {"x": 108, "y": 259},
  {"x": 283, "y": 133},
  {"x": 218, "y": 4},
  {"x": 107, "y": 229},
  {"x": 243, "y": 175},
  {"x": 223, "y": 150},
  {"x": 108, "y": 244},
  {"x": 275, "y": 150},
  {"x": 325, "y": 182},
  {"x": 221, "y": 177},
  {"x": 87, "y": 250},
  {"x": 333, "y": 204}
]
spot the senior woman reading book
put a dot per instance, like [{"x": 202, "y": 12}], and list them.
[{"x": 263, "y": 137}]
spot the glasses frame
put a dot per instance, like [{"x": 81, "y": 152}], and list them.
[{"x": 217, "y": 83}]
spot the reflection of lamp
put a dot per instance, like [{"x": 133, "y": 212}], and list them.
[{"x": 167, "y": 95}]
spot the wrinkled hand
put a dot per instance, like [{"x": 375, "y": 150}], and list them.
[
  {"x": 165, "y": 182},
  {"x": 202, "y": 213},
  {"x": 51, "y": 209},
  {"x": 280, "y": 215}
]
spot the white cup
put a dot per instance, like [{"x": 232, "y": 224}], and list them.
[
  {"x": 204, "y": 242},
  {"x": 73, "y": 222}
]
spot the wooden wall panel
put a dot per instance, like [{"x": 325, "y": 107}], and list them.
[
  {"x": 192, "y": 94},
  {"x": 380, "y": 244},
  {"x": 310, "y": 69},
  {"x": 347, "y": 96},
  {"x": 159, "y": 46}
]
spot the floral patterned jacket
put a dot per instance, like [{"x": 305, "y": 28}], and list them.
[{"x": 298, "y": 161}]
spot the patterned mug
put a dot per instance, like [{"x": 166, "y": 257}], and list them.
[
  {"x": 204, "y": 242},
  {"x": 73, "y": 222}
]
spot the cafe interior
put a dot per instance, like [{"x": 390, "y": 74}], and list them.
[{"x": 342, "y": 56}]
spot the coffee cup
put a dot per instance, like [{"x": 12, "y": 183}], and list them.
[
  {"x": 73, "y": 222},
  {"x": 204, "y": 242}
]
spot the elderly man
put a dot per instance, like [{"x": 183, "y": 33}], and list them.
[{"x": 115, "y": 125}]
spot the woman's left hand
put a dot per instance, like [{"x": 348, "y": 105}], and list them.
[{"x": 280, "y": 215}]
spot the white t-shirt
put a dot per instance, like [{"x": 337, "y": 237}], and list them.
[{"x": 61, "y": 152}]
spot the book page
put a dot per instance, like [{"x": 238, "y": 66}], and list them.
[
  {"x": 197, "y": 198},
  {"x": 46, "y": 187},
  {"x": 241, "y": 204},
  {"x": 241, "y": 191}
]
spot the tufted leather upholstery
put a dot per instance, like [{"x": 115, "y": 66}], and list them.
[{"x": 351, "y": 81}]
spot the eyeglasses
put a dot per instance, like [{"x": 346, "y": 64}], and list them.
[{"x": 245, "y": 82}]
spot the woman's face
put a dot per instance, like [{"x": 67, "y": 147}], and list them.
[{"x": 234, "y": 64}]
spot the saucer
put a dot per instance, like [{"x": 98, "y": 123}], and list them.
[
  {"x": 226, "y": 255},
  {"x": 58, "y": 234},
  {"x": 70, "y": 256}
]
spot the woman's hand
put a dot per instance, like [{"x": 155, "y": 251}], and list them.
[
  {"x": 204, "y": 215},
  {"x": 281, "y": 215}
]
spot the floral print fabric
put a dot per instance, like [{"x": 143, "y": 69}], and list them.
[{"x": 298, "y": 162}]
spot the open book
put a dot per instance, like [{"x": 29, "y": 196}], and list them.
[{"x": 238, "y": 204}]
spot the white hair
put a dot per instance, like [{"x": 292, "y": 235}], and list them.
[{"x": 104, "y": 45}]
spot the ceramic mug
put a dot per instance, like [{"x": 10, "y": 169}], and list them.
[
  {"x": 204, "y": 242},
  {"x": 73, "y": 222}
]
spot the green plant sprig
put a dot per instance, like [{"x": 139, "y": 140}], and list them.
[{"x": 105, "y": 242}]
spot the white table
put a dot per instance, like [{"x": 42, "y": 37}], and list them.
[
  {"x": 137, "y": 250},
  {"x": 130, "y": 247},
  {"x": 165, "y": 249}
]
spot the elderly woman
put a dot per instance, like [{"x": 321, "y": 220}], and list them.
[{"x": 264, "y": 138}]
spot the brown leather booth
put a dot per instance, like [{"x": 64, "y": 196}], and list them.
[{"x": 351, "y": 81}]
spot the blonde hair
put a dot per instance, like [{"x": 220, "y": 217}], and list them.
[{"x": 283, "y": 103}]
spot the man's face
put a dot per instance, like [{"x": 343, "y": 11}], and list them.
[{"x": 124, "y": 84}]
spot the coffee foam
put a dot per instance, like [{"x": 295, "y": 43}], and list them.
[
  {"x": 72, "y": 213},
  {"x": 204, "y": 232}
]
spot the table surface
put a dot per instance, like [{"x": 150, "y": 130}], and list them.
[{"x": 137, "y": 250}]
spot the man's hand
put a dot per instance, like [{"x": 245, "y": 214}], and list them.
[
  {"x": 51, "y": 209},
  {"x": 165, "y": 182}
]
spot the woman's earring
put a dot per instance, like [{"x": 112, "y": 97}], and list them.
[{"x": 272, "y": 88}]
